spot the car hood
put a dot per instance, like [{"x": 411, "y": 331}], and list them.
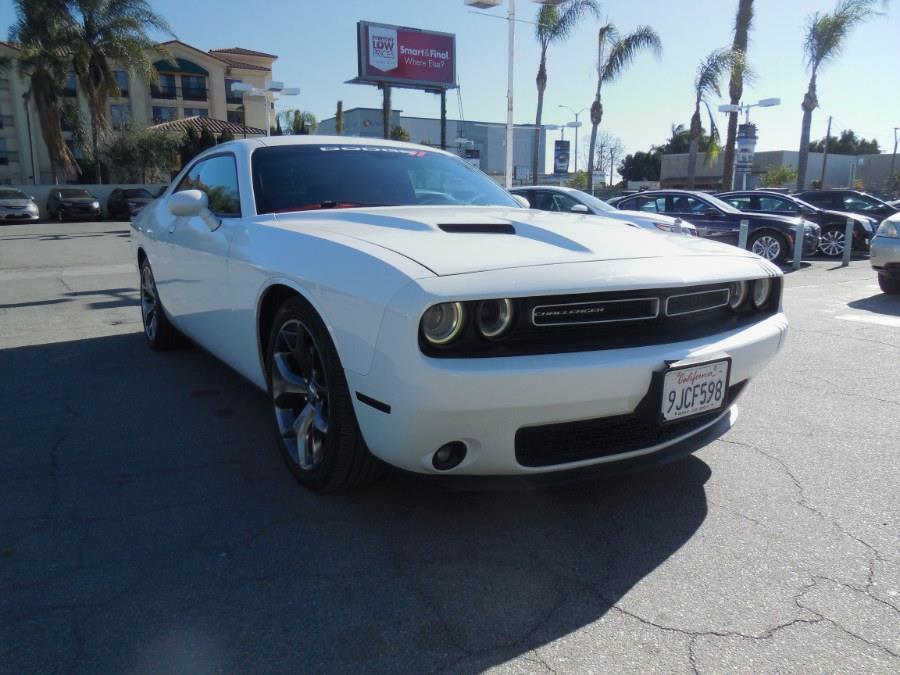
[
  {"x": 79, "y": 200},
  {"x": 852, "y": 216},
  {"x": 442, "y": 238},
  {"x": 658, "y": 217},
  {"x": 15, "y": 202},
  {"x": 771, "y": 217}
]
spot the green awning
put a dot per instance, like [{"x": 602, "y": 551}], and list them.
[{"x": 179, "y": 66}]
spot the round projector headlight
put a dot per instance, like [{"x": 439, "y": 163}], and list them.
[
  {"x": 494, "y": 317},
  {"x": 762, "y": 290},
  {"x": 737, "y": 294},
  {"x": 442, "y": 324}
]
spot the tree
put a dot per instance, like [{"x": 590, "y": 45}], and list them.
[
  {"x": 339, "y": 119},
  {"x": 224, "y": 137},
  {"x": 742, "y": 22},
  {"x": 614, "y": 55},
  {"x": 706, "y": 83},
  {"x": 276, "y": 130},
  {"x": 779, "y": 176},
  {"x": 298, "y": 122},
  {"x": 554, "y": 24},
  {"x": 43, "y": 62},
  {"x": 140, "y": 155},
  {"x": 104, "y": 32},
  {"x": 846, "y": 144},
  {"x": 193, "y": 143},
  {"x": 641, "y": 166},
  {"x": 579, "y": 180},
  {"x": 398, "y": 133},
  {"x": 826, "y": 35}
]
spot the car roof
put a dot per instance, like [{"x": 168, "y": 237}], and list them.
[
  {"x": 773, "y": 193},
  {"x": 319, "y": 139},
  {"x": 561, "y": 188}
]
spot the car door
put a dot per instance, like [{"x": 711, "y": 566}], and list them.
[
  {"x": 196, "y": 279},
  {"x": 709, "y": 220}
]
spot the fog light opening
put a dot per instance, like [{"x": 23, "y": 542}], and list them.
[{"x": 449, "y": 455}]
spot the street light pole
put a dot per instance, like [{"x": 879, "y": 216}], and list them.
[
  {"x": 511, "y": 18},
  {"x": 892, "y": 182},
  {"x": 576, "y": 125}
]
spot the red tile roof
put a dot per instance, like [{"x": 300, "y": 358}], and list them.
[
  {"x": 235, "y": 63},
  {"x": 244, "y": 52},
  {"x": 214, "y": 125}
]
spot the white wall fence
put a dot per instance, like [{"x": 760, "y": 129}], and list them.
[{"x": 101, "y": 192}]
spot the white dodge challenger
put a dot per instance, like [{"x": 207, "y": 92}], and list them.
[{"x": 399, "y": 307}]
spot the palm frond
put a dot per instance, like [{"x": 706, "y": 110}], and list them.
[
  {"x": 557, "y": 23},
  {"x": 826, "y": 32},
  {"x": 712, "y": 152},
  {"x": 624, "y": 50},
  {"x": 709, "y": 74}
]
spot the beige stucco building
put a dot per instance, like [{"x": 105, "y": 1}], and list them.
[{"x": 193, "y": 83}]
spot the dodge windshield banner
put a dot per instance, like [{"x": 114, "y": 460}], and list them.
[{"x": 406, "y": 56}]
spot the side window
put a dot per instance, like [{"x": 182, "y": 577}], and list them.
[
  {"x": 217, "y": 177},
  {"x": 777, "y": 204},
  {"x": 563, "y": 202},
  {"x": 743, "y": 203},
  {"x": 543, "y": 201},
  {"x": 648, "y": 204}
]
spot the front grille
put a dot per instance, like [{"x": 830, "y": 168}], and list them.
[
  {"x": 552, "y": 444},
  {"x": 572, "y": 323}
]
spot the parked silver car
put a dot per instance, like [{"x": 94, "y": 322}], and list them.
[
  {"x": 16, "y": 206},
  {"x": 885, "y": 254},
  {"x": 554, "y": 198}
]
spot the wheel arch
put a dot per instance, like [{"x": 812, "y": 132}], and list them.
[{"x": 272, "y": 296}]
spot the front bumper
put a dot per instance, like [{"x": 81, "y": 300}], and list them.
[
  {"x": 18, "y": 217},
  {"x": 885, "y": 255},
  {"x": 484, "y": 402},
  {"x": 75, "y": 213}
]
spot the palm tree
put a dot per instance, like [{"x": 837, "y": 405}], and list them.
[
  {"x": 707, "y": 82},
  {"x": 107, "y": 32},
  {"x": 742, "y": 21},
  {"x": 43, "y": 62},
  {"x": 826, "y": 33},
  {"x": 555, "y": 23},
  {"x": 614, "y": 55}
]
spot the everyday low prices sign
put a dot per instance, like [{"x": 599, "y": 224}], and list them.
[{"x": 406, "y": 56}]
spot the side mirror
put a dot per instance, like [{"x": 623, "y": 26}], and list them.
[
  {"x": 524, "y": 203},
  {"x": 580, "y": 208},
  {"x": 191, "y": 204}
]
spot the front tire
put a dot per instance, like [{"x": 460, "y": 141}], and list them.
[
  {"x": 889, "y": 285},
  {"x": 833, "y": 241},
  {"x": 59, "y": 216},
  {"x": 315, "y": 424},
  {"x": 769, "y": 245},
  {"x": 160, "y": 333}
]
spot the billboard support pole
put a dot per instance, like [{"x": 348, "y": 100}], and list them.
[
  {"x": 386, "y": 109},
  {"x": 443, "y": 119}
]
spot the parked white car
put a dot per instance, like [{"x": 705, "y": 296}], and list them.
[
  {"x": 473, "y": 338},
  {"x": 566, "y": 199}
]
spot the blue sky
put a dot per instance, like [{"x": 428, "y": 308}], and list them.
[{"x": 315, "y": 42}]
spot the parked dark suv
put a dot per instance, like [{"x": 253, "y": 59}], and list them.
[
  {"x": 770, "y": 236},
  {"x": 833, "y": 223},
  {"x": 72, "y": 204},
  {"x": 125, "y": 203},
  {"x": 850, "y": 201}
]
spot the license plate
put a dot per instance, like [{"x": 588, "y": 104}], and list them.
[{"x": 694, "y": 389}]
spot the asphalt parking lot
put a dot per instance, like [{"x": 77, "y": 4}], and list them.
[{"x": 148, "y": 524}]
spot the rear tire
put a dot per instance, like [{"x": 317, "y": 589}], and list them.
[
  {"x": 315, "y": 424},
  {"x": 890, "y": 285},
  {"x": 770, "y": 245},
  {"x": 160, "y": 333}
]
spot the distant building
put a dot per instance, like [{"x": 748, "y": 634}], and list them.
[
  {"x": 194, "y": 84},
  {"x": 483, "y": 142},
  {"x": 840, "y": 170}
]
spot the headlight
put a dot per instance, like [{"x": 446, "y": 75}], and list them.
[
  {"x": 95, "y": 205},
  {"x": 762, "y": 291},
  {"x": 889, "y": 228},
  {"x": 494, "y": 317},
  {"x": 737, "y": 294},
  {"x": 442, "y": 324}
]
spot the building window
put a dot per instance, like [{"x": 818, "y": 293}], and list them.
[
  {"x": 236, "y": 116},
  {"x": 163, "y": 114},
  {"x": 193, "y": 88},
  {"x": 165, "y": 88},
  {"x": 233, "y": 96},
  {"x": 119, "y": 114},
  {"x": 4, "y": 155},
  {"x": 71, "y": 86},
  {"x": 4, "y": 84},
  {"x": 196, "y": 112},
  {"x": 121, "y": 82}
]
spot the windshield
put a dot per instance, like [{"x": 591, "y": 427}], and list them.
[
  {"x": 593, "y": 202},
  {"x": 12, "y": 194},
  {"x": 305, "y": 177},
  {"x": 137, "y": 194},
  {"x": 71, "y": 192}
]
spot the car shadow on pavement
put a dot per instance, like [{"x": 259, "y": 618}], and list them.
[
  {"x": 882, "y": 303},
  {"x": 149, "y": 525}
]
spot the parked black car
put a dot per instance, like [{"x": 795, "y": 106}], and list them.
[
  {"x": 125, "y": 203},
  {"x": 833, "y": 223},
  {"x": 770, "y": 236},
  {"x": 851, "y": 201},
  {"x": 72, "y": 204}
]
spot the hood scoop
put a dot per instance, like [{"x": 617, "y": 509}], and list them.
[{"x": 478, "y": 228}]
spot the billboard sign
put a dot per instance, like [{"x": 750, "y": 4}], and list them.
[
  {"x": 406, "y": 56},
  {"x": 561, "y": 157}
]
